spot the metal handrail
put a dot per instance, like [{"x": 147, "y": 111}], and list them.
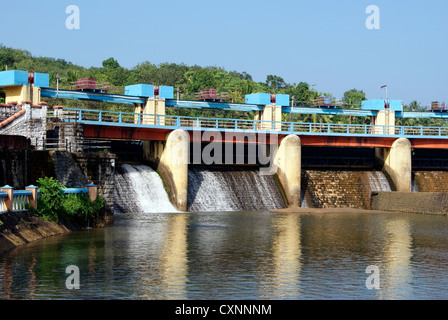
[
  {"x": 20, "y": 200},
  {"x": 75, "y": 191},
  {"x": 189, "y": 123}
]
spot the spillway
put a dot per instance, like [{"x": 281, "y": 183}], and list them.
[
  {"x": 139, "y": 188},
  {"x": 232, "y": 190}
]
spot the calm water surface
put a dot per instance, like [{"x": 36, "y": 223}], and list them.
[{"x": 238, "y": 255}]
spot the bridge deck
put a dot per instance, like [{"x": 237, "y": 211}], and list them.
[
  {"x": 131, "y": 126},
  {"x": 130, "y": 100}
]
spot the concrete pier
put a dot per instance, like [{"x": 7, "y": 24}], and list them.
[
  {"x": 288, "y": 161},
  {"x": 170, "y": 158},
  {"x": 270, "y": 113},
  {"x": 154, "y": 107},
  {"x": 396, "y": 162}
]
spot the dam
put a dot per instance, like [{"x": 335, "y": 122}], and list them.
[{"x": 205, "y": 229}]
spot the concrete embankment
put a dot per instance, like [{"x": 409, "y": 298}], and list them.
[
  {"x": 20, "y": 228},
  {"x": 343, "y": 211},
  {"x": 412, "y": 202}
]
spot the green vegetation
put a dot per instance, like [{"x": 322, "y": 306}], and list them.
[
  {"x": 189, "y": 80},
  {"x": 55, "y": 206}
]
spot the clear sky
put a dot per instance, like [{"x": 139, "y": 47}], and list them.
[{"x": 323, "y": 42}]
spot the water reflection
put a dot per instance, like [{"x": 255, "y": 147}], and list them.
[
  {"x": 174, "y": 259},
  {"x": 282, "y": 281},
  {"x": 397, "y": 267},
  {"x": 238, "y": 255}
]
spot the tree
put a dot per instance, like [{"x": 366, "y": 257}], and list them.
[
  {"x": 6, "y": 57},
  {"x": 195, "y": 81},
  {"x": 115, "y": 74},
  {"x": 415, "y": 106},
  {"x": 301, "y": 92},
  {"x": 354, "y": 97},
  {"x": 72, "y": 76},
  {"x": 275, "y": 82},
  {"x": 111, "y": 63}
]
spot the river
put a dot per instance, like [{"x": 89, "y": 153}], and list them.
[{"x": 238, "y": 255}]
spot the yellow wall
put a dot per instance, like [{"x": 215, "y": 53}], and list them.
[{"x": 17, "y": 93}]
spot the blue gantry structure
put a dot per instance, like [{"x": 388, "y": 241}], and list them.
[{"x": 139, "y": 93}]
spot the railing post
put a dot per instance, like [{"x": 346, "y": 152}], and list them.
[
  {"x": 93, "y": 192},
  {"x": 9, "y": 200},
  {"x": 120, "y": 118},
  {"x": 236, "y": 124},
  {"x": 32, "y": 200},
  {"x": 80, "y": 115},
  {"x": 100, "y": 116}
]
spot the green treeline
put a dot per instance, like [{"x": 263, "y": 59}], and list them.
[{"x": 189, "y": 80}]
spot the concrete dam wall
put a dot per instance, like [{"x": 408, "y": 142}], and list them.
[{"x": 341, "y": 188}]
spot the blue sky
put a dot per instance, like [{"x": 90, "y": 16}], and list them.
[{"x": 323, "y": 42}]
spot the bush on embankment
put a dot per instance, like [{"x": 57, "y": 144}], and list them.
[{"x": 52, "y": 205}]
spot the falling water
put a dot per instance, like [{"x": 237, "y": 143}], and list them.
[
  {"x": 139, "y": 188},
  {"x": 377, "y": 181},
  {"x": 232, "y": 190}
]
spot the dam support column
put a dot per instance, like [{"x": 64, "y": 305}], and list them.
[
  {"x": 288, "y": 161},
  {"x": 170, "y": 158},
  {"x": 270, "y": 118},
  {"x": 396, "y": 163},
  {"x": 154, "y": 107},
  {"x": 384, "y": 122},
  {"x": 138, "y": 111}
]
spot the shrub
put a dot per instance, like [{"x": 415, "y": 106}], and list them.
[
  {"x": 80, "y": 207},
  {"x": 53, "y": 205},
  {"x": 50, "y": 201}
]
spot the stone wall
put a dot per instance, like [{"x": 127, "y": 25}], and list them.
[
  {"x": 67, "y": 136},
  {"x": 13, "y": 168},
  {"x": 411, "y": 202},
  {"x": 341, "y": 188},
  {"x": 31, "y": 125},
  {"x": 431, "y": 181},
  {"x": 99, "y": 169},
  {"x": 8, "y": 110}
]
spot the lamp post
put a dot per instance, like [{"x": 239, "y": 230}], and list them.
[
  {"x": 387, "y": 98},
  {"x": 178, "y": 97},
  {"x": 57, "y": 86},
  {"x": 292, "y": 109}
]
